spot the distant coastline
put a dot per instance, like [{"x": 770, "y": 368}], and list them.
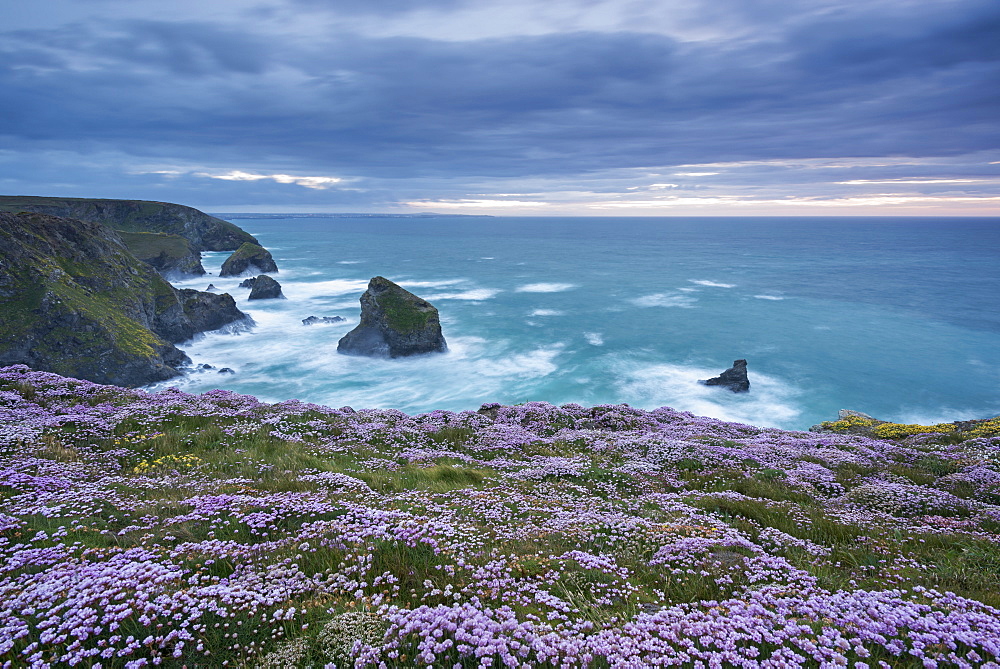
[{"x": 228, "y": 216}]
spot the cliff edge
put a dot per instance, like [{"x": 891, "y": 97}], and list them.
[
  {"x": 76, "y": 302},
  {"x": 206, "y": 233}
]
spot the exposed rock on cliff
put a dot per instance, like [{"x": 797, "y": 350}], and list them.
[
  {"x": 265, "y": 288},
  {"x": 394, "y": 323},
  {"x": 170, "y": 255},
  {"x": 206, "y": 233},
  {"x": 76, "y": 302},
  {"x": 734, "y": 378},
  {"x": 248, "y": 258}
]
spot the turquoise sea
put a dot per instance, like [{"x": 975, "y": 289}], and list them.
[{"x": 897, "y": 317}]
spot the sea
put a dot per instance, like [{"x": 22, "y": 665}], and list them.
[{"x": 895, "y": 317}]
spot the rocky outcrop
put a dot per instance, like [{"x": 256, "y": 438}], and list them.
[
  {"x": 248, "y": 258},
  {"x": 265, "y": 288},
  {"x": 325, "y": 320},
  {"x": 734, "y": 378},
  {"x": 170, "y": 255},
  {"x": 76, "y": 302},
  {"x": 248, "y": 283},
  {"x": 206, "y": 233},
  {"x": 394, "y": 323}
]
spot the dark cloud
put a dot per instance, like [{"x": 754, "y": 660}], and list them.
[{"x": 880, "y": 80}]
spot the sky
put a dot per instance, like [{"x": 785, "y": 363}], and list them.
[{"x": 507, "y": 107}]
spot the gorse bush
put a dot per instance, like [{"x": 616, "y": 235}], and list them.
[{"x": 215, "y": 530}]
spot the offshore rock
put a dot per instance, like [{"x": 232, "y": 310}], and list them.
[
  {"x": 394, "y": 323},
  {"x": 313, "y": 320},
  {"x": 206, "y": 233},
  {"x": 248, "y": 258},
  {"x": 248, "y": 283},
  {"x": 734, "y": 378},
  {"x": 265, "y": 288},
  {"x": 170, "y": 255},
  {"x": 77, "y": 303}
]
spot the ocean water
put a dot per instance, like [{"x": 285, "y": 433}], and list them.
[{"x": 896, "y": 317}]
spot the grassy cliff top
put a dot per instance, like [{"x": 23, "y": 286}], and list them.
[
  {"x": 152, "y": 244},
  {"x": 215, "y": 529},
  {"x": 205, "y": 232}
]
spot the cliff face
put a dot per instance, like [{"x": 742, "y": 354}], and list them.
[
  {"x": 394, "y": 323},
  {"x": 76, "y": 302},
  {"x": 168, "y": 254},
  {"x": 206, "y": 233}
]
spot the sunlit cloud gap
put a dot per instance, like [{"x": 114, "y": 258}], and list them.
[{"x": 315, "y": 182}]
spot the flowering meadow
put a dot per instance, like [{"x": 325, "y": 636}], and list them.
[{"x": 216, "y": 530}]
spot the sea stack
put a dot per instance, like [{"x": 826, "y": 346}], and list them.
[
  {"x": 248, "y": 258},
  {"x": 265, "y": 288},
  {"x": 734, "y": 378},
  {"x": 394, "y": 323}
]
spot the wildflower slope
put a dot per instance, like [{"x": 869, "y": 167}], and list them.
[{"x": 178, "y": 530}]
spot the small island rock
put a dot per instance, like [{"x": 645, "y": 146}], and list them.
[
  {"x": 265, "y": 288},
  {"x": 248, "y": 258},
  {"x": 394, "y": 323},
  {"x": 734, "y": 378},
  {"x": 313, "y": 320},
  {"x": 248, "y": 283}
]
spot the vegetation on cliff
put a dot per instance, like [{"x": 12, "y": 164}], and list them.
[
  {"x": 167, "y": 254},
  {"x": 76, "y": 302},
  {"x": 217, "y": 530},
  {"x": 206, "y": 233}
]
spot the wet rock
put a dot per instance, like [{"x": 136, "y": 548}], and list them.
[
  {"x": 394, "y": 323},
  {"x": 314, "y": 320},
  {"x": 211, "y": 288},
  {"x": 265, "y": 288},
  {"x": 248, "y": 258},
  {"x": 734, "y": 378},
  {"x": 248, "y": 283},
  {"x": 226, "y": 370}
]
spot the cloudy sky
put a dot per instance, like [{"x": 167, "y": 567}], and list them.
[{"x": 517, "y": 107}]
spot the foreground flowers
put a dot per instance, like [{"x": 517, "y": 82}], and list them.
[{"x": 217, "y": 530}]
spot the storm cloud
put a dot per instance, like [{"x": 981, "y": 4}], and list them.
[{"x": 378, "y": 118}]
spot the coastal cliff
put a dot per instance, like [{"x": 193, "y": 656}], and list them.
[
  {"x": 76, "y": 302},
  {"x": 206, "y": 233}
]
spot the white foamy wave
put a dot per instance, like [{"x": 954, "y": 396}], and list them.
[
  {"x": 939, "y": 415},
  {"x": 770, "y": 402},
  {"x": 475, "y": 294},
  {"x": 545, "y": 287},
  {"x": 688, "y": 290},
  {"x": 349, "y": 262},
  {"x": 546, "y": 312},
  {"x": 714, "y": 284},
  {"x": 769, "y": 297},
  {"x": 665, "y": 300},
  {"x": 594, "y": 338},
  {"x": 320, "y": 289},
  {"x": 431, "y": 284}
]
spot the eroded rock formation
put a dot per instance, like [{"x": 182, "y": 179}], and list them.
[
  {"x": 394, "y": 323},
  {"x": 734, "y": 378}
]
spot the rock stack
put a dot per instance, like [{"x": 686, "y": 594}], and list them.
[
  {"x": 734, "y": 378},
  {"x": 394, "y": 323}
]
